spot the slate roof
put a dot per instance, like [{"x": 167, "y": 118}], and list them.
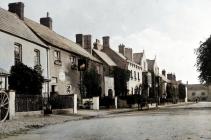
[
  {"x": 10, "y": 23},
  {"x": 137, "y": 57},
  {"x": 120, "y": 55},
  {"x": 105, "y": 58},
  {"x": 150, "y": 64},
  {"x": 57, "y": 40},
  {"x": 196, "y": 87}
]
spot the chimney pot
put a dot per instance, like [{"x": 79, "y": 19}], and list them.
[{"x": 17, "y": 8}]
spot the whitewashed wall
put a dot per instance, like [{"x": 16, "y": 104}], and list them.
[
  {"x": 109, "y": 84},
  {"x": 7, "y": 53},
  {"x": 132, "y": 83}
]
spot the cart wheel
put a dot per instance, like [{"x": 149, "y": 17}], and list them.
[{"x": 4, "y": 106}]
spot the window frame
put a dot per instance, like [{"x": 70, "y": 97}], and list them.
[
  {"x": 19, "y": 58},
  {"x": 37, "y": 60}
]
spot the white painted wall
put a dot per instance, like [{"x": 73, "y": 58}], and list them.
[
  {"x": 144, "y": 63},
  {"x": 132, "y": 83},
  {"x": 109, "y": 84},
  {"x": 11, "y": 105},
  {"x": 96, "y": 103},
  {"x": 7, "y": 53}
]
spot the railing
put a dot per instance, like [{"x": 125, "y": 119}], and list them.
[{"x": 24, "y": 103}]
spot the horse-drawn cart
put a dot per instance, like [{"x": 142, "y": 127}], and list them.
[{"x": 4, "y": 97}]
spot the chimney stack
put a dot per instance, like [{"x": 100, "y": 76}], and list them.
[
  {"x": 106, "y": 43},
  {"x": 80, "y": 39},
  {"x": 17, "y": 8},
  {"x": 88, "y": 43},
  {"x": 97, "y": 45},
  {"x": 85, "y": 41},
  {"x": 164, "y": 73},
  {"x": 171, "y": 77},
  {"x": 122, "y": 49},
  {"x": 46, "y": 21},
  {"x": 129, "y": 53}
]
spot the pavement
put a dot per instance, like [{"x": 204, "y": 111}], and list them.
[{"x": 21, "y": 125}]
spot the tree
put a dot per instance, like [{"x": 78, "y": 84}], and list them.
[
  {"x": 25, "y": 80},
  {"x": 203, "y": 61},
  {"x": 91, "y": 81},
  {"x": 121, "y": 77},
  {"x": 182, "y": 91}
]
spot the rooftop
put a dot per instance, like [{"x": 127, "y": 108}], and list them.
[
  {"x": 11, "y": 24},
  {"x": 57, "y": 40},
  {"x": 105, "y": 57}
]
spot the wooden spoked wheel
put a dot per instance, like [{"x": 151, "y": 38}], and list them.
[{"x": 4, "y": 106}]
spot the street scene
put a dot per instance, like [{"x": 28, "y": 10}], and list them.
[
  {"x": 185, "y": 122},
  {"x": 105, "y": 70}
]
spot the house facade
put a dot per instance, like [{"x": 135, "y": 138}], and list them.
[
  {"x": 197, "y": 91},
  {"x": 19, "y": 44},
  {"x": 108, "y": 67},
  {"x": 124, "y": 60},
  {"x": 67, "y": 60}
]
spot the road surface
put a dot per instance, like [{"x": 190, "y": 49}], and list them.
[{"x": 189, "y": 122}]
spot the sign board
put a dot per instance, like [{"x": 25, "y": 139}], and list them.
[{"x": 61, "y": 76}]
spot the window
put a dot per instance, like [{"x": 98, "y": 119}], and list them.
[
  {"x": 131, "y": 90},
  {"x": 18, "y": 53},
  {"x": 193, "y": 93},
  {"x": 202, "y": 93},
  {"x": 36, "y": 57},
  {"x": 138, "y": 76},
  {"x": 73, "y": 60},
  {"x": 131, "y": 74},
  {"x": 135, "y": 75},
  {"x": 57, "y": 55}
]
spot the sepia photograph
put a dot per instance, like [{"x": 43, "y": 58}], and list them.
[{"x": 105, "y": 70}]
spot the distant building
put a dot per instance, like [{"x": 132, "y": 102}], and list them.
[
  {"x": 198, "y": 91},
  {"x": 108, "y": 67},
  {"x": 135, "y": 82}
]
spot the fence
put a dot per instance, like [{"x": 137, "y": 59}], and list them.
[
  {"x": 61, "y": 101},
  {"x": 24, "y": 103}
]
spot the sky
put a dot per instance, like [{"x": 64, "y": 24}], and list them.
[{"x": 169, "y": 30}]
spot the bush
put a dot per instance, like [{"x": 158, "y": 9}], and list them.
[
  {"x": 131, "y": 100},
  {"x": 92, "y": 82},
  {"x": 107, "y": 101},
  {"x": 25, "y": 80}
]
